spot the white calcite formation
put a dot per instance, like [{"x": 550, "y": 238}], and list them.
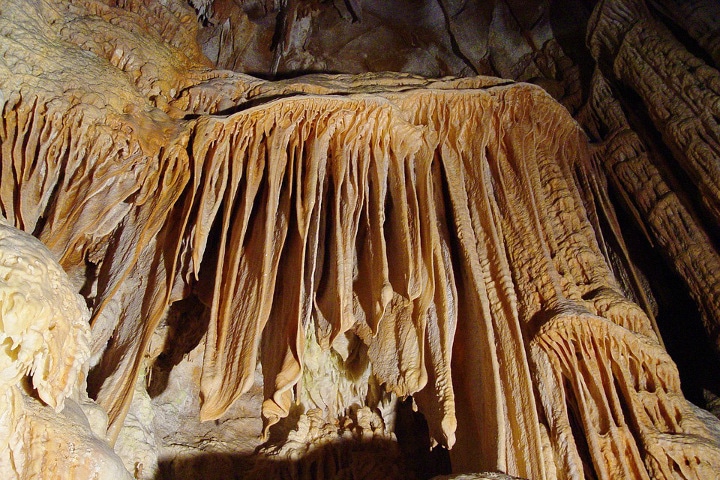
[{"x": 48, "y": 426}]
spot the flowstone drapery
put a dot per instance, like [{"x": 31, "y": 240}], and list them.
[{"x": 337, "y": 242}]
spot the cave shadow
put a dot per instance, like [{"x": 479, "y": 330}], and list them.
[
  {"x": 187, "y": 322},
  {"x": 342, "y": 458},
  {"x": 679, "y": 320},
  {"x": 291, "y": 74},
  {"x": 568, "y": 22},
  {"x": 409, "y": 457}
]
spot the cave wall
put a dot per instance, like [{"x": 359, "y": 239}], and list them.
[{"x": 283, "y": 260}]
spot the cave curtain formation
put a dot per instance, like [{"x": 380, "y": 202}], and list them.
[{"x": 461, "y": 229}]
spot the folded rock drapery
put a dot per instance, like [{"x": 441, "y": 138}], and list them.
[{"x": 440, "y": 223}]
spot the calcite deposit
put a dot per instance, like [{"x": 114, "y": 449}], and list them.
[
  {"x": 50, "y": 429},
  {"x": 361, "y": 274}
]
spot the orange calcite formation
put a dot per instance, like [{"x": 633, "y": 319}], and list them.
[{"x": 429, "y": 238}]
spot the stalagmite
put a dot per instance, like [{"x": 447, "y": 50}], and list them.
[{"x": 334, "y": 245}]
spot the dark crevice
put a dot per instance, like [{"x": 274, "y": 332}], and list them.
[
  {"x": 576, "y": 426},
  {"x": 569, "y": 30},
  {"x": 413, "y": 436},
  {"x": 187, "y": 323},
  {"x": 691, "y": 45},
  {"x": 677, "y": 178},
  {"x": 678, "y": 319}
]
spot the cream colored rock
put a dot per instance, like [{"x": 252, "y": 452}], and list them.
[
  {"x": 43, "y": 364},
  {"x": 45, "y": 444},
  {"x": 44, "y": 331},
  {"x": 137, "y": 444},
  {"x": 477, "y": 476}
]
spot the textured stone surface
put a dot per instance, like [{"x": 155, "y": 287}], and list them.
[
  {"x": 477, "y": 476},
  {"x": 682, "y": 97},
  {"x": 272, "y": 266},
  {"x": 49, "y": 428}
]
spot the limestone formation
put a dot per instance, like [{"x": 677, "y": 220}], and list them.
[
  {"x": 682, "y": 97},
  {"x": 274, "y": 268},
  {"x": 49, "y": 427}
]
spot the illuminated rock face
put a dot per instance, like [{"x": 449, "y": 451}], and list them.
[
  {"x": 286, "y": 261},
  {"x": 49, "y": 428}
]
